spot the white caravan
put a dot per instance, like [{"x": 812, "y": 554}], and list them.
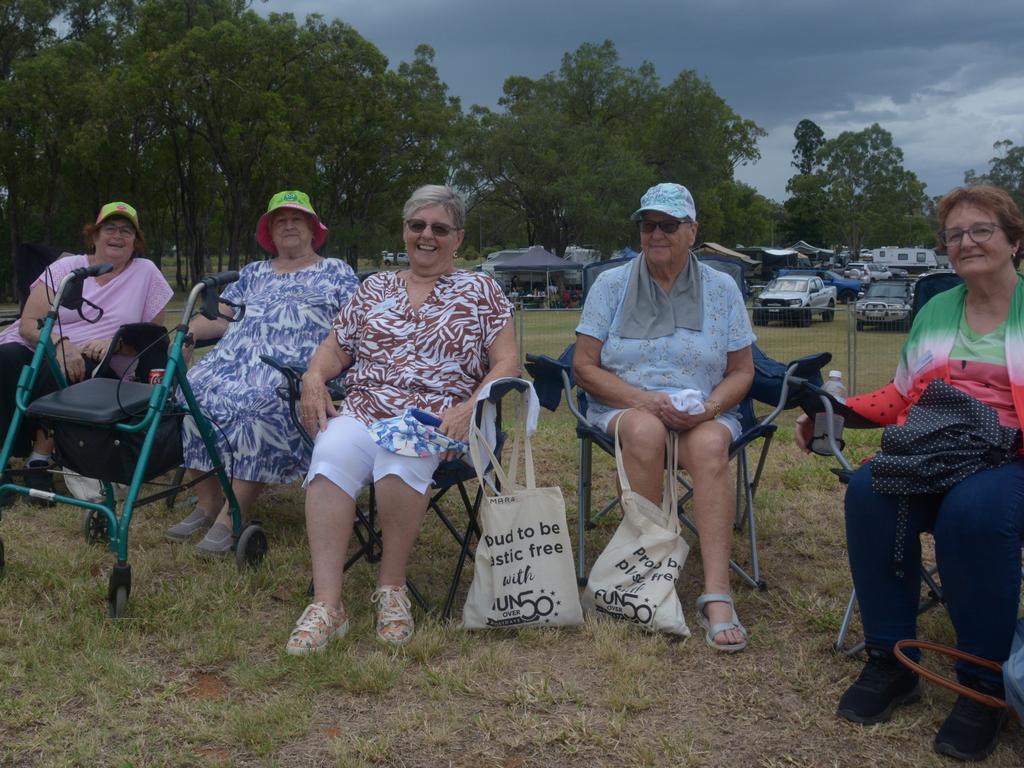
[{"x": 911, "y": 258}]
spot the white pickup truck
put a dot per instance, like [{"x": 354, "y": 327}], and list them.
[{"x": 793, "y": 300}]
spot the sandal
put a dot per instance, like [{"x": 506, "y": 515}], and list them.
[
  {"x": 394, "y": 615},
  {"x": 316, "y": 627},
  {"x": 712, "y": 630}
]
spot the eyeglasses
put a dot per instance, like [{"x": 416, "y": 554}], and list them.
[
  {"x": 980, "y": 233},
  {"x": 668, "y": 226},
  {"x": 436, "y": 229},
  {"x": 114, "y": 229}
]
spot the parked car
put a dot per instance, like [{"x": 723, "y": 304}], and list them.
[
  {"x": 793, "y": 300},
  {"x": 848, "y": 290},
  {"x": 395, "y": 258},
  {"x": 867, "y": 271},
  {"x": 886, "y": 303}
]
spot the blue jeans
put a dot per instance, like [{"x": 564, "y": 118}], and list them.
[{"x": 977, "y": 526}]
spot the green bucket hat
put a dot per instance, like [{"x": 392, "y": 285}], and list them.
[
  {"x": 291, "y": 198},
  {"x": 123, "y": 210}
]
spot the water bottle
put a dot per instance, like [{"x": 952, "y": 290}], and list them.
[{"x": 819, "y": 441}]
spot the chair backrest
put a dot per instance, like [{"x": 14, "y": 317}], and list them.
[
  {"x": 929, "y": 286},
  {"x": 731, "y": 267},
  {"x": 592, "y": 270},
  {"x": 150, "y": 342},
  {"x": 30, "y": 259}
]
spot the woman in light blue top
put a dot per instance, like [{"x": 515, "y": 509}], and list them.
[{"x": 661, "y": 332}]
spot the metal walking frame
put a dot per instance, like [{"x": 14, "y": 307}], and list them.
[{"x": 115, "y": 418}]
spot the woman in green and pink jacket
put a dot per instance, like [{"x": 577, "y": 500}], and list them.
[{"x": 972, "y": 337}]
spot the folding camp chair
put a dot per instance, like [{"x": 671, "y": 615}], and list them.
[
  {"x": 553, "y": 378},
  {"x": 449, "y": 475},
  {"x": 123, "y": 431},
  {"x": 925, "y": 289}
]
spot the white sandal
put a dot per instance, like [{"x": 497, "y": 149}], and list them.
[{"x": 711, "y": 631}]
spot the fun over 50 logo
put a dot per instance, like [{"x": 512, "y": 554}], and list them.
[
  {"x": 629, "y": 603},
  {"x": 513, "y": 554}
]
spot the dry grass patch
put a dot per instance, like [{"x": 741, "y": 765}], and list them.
[{"x": 195, "y": 675}]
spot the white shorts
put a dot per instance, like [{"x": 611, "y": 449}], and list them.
[
  {"x": 346, "y": 455},
  {"x": 727, "y": 420}
]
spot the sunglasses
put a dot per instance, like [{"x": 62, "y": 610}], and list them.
[
  {"x": 437, "y": 229},
  {"x": 668, "y": 226}
]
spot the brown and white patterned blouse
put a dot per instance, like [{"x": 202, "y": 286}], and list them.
[{"x": 431, "y": 358}]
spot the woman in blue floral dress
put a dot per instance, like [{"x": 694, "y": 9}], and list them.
[{"x": 290, "y": 302}]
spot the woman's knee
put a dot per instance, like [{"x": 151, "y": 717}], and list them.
[
  {"x": 704, "y": 450},
  {"x": 983, "y": 509},
  {"x": 642, "y": 436}
]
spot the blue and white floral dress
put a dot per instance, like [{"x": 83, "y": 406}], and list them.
[{"x": 286, "y": 315}]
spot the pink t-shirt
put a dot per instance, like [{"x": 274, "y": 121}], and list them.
[{"x": 136, "y": 295}]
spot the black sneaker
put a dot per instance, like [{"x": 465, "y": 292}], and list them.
[
  {"x": 972, "y": 729},
  {"x": 883, "y": 685}
]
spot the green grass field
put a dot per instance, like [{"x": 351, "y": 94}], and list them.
[{"x": 195, "y": 674}]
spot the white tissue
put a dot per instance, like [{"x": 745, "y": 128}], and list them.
[{"x": 689, "y": 401}]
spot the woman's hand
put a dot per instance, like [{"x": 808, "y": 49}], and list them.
[
  {"x": 803, "y": 432},
  {"x": 660, "y": 404},
  {"x": 315, "y": 405},
  {"x": 95, "y": 349},
  {"x": 455, "y": 424},
  {"x": 70, "y": 360}
]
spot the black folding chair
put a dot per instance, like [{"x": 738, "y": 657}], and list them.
[{"x": 448, "y": 476}]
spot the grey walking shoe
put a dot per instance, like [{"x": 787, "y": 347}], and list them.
[
  {"x": 191, "y": 525},
  {"x": 217, "y": 541}
]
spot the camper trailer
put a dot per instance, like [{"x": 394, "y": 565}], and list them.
[{"x": 914, "y": 259}]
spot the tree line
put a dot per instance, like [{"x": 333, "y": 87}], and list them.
[{"x": 196, "y": 111}]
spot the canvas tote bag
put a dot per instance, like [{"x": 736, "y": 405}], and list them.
[
  {"x": 635, "y": 578},
  {"x": 523, "y": 569}
]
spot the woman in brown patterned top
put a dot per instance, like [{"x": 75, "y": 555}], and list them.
[{"x": 428, "y": 337}]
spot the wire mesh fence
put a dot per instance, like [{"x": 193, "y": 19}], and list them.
[{"x": 866, "y": 356}]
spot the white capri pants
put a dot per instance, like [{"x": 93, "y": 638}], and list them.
[{"x": 346, "y": 455}]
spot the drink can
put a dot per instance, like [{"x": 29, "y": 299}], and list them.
[{"x": 156, "y": 375}]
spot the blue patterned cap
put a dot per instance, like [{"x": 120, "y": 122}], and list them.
[
  {"x": 414, "y": 433},
  {"x": 673, "y": 199}
]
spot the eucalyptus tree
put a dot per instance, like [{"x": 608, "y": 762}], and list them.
[{"x": 871, "y": 196}]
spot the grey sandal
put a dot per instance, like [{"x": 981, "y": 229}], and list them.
[{"x": 712, "y": 630}]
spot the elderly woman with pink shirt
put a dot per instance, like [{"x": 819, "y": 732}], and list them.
[{"x": 133, "y": 291}]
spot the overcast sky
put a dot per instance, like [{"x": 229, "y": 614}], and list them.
[{"x": 945, "y": 78}]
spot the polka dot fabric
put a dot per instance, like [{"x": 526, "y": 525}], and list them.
[{"x": 948, "y": 436}]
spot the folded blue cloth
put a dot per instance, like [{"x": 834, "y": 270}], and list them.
[{"x": 414, "y": 433}]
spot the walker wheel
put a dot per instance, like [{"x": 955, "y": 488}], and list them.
[
  {"x": 252, "y": 546},
  {"x": 117, "y": 606},
  {"x": 94, "y": 526}
]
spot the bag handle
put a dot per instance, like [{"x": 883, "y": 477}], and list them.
[
  {"x": 507, "y": 479},
  {"x": 669, "y": 494},
  {"x": 927, "y": 674}
]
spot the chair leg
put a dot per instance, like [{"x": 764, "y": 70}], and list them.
[
  {"x": 583, "y": 493},
  {"x": 933, "y": 598}
]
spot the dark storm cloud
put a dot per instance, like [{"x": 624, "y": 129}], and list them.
[{"x": 845, "y": 65}]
